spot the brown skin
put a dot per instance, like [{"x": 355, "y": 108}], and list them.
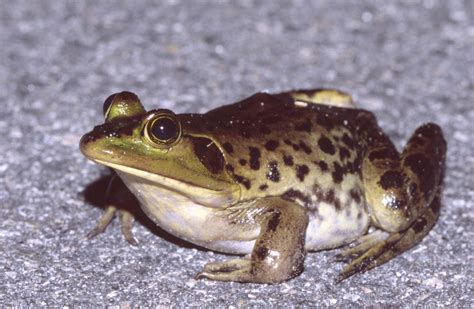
[{"x": 274, "y": 176}]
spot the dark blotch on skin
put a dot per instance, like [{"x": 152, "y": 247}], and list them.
[
  {"x": 288, "y": 160},
  {"x": 263, "y": 187},
  {"x": 294, "y": 195},
  {"x": 274, "y": 221},
  {"x": 419, "y": 224},
  {"x": 254, "y": 154},
  {"x": 242, "y": 162},
  {"x": 302, "y": 171},
  {"x": 348, "y": 141},
  {"x": 384, "y": 153},
  {"x": 228, "y": 147},
  {"x": 295, "y": 147},
  {"x": 261, "y": 252},
  {"x": 208, "y": 153},
  {"x": 391, "y": 179},
  {"x": 355, "y": 194},
  {"x": 229, "y": 168},
  {"x": 344, "y": 153},
  {"x": 247, "y": 184},
  {"x": 240, "y": 179},
  {"x": 330, "y": 198},
  {"x": 323, "y": 166},
  {"x": 338, "y": 173},
  {"x": 271, "y": 145},
  {"x": 326, "y": 145},
  {"x": 424, "y": 170},
  {"x": 273, "y": 173},
  {"x": 305, "y": 147}
]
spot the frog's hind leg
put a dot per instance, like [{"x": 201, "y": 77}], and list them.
[
  {"x": 330, "y": 97},
  {"x": 393, "y": 245},
  {"x": 402, "y": 192}
]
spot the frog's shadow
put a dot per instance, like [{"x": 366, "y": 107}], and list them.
[{"x": 94, "y": 194}]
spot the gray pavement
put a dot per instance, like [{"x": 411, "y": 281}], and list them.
[{"x": 408, "y": 61}]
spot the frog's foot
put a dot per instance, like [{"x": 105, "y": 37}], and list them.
[
  {"x": 231, "y": 270},
  {"x": 126, "y": 224},
  {"x": 396, "y": 243},
  {"x": 278, "y": 253},
  {"x": 360, "y": 246}
]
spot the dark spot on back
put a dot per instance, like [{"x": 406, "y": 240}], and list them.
[
  {"x": 326, "y": 145},
  {"x": 261, "y": 252},
  {"x": 384, "y": 153},
  {"x": 271, "y": 145},
  {"x": 391, "y": 179},
  {"x": 348, "y": 141},
  {"x": 242, "y": 162},
  {"x": 263, "y": 187},
  {"x": 302, "y": 171},
  {"x": 208, "y": 153},
  {"x": 323, "y": 166},
  {"x": 288, "y": 160},
  {"x": 273, "y": 173},
  {"x": 338, "y": 173},
  {"x": 305, "y": 147},
  {"x": 274, "y": 221},
  {"x": 254, "y": 154},
  {"x": 228, "y": 147},
  {"x": 344, "y": 153}
]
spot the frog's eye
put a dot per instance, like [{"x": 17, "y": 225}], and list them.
[
  {"x": 121, "y": 105},
  {"x": 163, "y": 129}
]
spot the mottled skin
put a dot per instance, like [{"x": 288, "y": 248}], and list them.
[{"x": 273, "y": 176}]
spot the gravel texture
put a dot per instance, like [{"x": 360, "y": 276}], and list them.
[{"x": 407, "y": 61}]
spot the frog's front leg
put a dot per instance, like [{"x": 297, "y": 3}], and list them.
[
  {"x": 117, "y": 194},
  {"x": 278, "y": 253},
  {"x": 403, "y": 194}
]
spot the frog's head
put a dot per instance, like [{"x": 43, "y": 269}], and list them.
[{"x": 156, "y": 148}]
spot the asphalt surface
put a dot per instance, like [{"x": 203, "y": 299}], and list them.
[{"x": 407, "y": 61}]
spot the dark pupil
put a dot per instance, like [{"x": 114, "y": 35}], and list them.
[{"x": 164, "y": 129}]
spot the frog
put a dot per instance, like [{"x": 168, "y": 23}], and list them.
[{"x": 270, "y": 178}]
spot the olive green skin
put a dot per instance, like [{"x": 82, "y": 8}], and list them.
[{"x": 273, "y": 176}]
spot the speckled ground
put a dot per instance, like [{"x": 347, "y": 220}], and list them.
[{"x": 408, "y": 61}]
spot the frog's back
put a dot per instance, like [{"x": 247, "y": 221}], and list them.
[{"x": 305, "y": 152}]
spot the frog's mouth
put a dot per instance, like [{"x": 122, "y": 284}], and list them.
[{"x": 210, "y": 197}]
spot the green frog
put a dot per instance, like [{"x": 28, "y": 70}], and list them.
[{"x": 270, "y": 178}]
